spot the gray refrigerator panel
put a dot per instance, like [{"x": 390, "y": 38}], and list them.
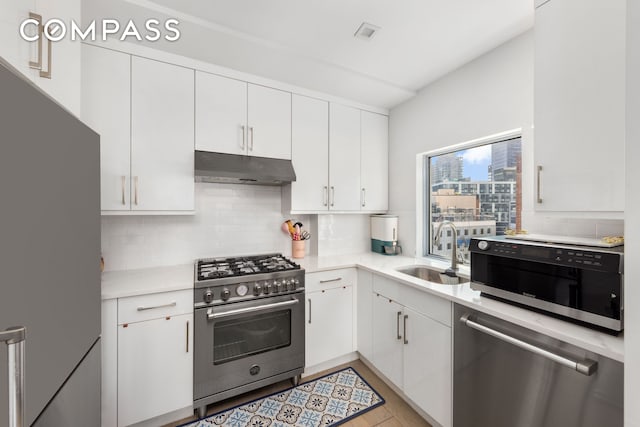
[
  {"x": 498, "y": 384},
  {"x": 77, "y": 404},
  {"x": 49, "y": 237}
]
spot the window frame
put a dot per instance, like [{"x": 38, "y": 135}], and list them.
[{"x": 423, "y": 208}]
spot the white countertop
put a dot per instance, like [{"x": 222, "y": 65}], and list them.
[{"x": 120, "y": 284}]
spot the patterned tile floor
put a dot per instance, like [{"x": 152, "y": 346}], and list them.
[{"x": 395, "y": 412}]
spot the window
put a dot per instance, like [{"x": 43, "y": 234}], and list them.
[{"x": 474, "y": 186}]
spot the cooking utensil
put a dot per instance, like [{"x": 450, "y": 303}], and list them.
[{"x": 305, "y": 235}]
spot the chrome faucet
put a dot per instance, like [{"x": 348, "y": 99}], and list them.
[{"x": 451, "y": 271}]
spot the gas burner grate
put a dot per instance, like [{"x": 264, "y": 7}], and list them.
[{"x": 242, "y": 266}]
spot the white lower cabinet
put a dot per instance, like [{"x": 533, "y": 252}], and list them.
[
  {"x": 329, "y": 315},
  {"x": 364, "y": 301},
  {"x": 412, "y": 345}
]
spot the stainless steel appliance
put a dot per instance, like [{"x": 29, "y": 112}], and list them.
[
  {"x": 506, "y": 376},
  {"x": 49, "y": 259},
  {"x": 577, "y": 282},
  {"x": 248, "y": 325}
]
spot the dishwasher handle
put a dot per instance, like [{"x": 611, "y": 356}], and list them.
[{"x": 585, "y": 367}]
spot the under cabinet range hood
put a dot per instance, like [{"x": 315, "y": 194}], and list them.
[{"x": 238, "y": 169}]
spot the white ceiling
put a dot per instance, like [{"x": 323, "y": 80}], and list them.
[{"x": 310, "y": 43}]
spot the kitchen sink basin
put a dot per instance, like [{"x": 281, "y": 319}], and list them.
[{"x": 431, "y": 275}]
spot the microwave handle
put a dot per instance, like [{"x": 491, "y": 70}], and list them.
[{"x": 586, "y": 367}]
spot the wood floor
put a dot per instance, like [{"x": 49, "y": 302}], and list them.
[{"x": 395, "y": 412}]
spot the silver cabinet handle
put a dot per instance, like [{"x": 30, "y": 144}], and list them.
[
  {"x": 251, "y": 144},
  {"x": 398, "y": 325},
  {"x": 539, "y": 195},
  {"x": 37, "y": 64},
  {"x": 124, "y": 180},
  {"x": 211, "y": 315},
  {"x": 47, "y": 74},
  {"x": 171, "y": 304},
  {"x": 325, "y": 200},
  {"x": 364, "y": 197},
  {"x": 187, "y": 349},
  {"x": 331, "y": 280},
  {"x": 333, "y": 195},
  {"x": 14, "y": 338},
  {"x": 585, "y": 367},
  {"x": 243, "y": 137},
  {"x": 406, "y": 341},
  {"x": 135, "y": 196},
  {"x": 309, "y": 299}
]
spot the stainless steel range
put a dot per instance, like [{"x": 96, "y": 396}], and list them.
[{"x": 249, "y": 325}]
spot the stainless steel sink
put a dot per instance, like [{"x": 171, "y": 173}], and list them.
[{"x": 431, "y": 275}]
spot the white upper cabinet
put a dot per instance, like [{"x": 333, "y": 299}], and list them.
[
  {"x": 106, "y": 95},
  {"x": 13, "y": 48},
  {"x": 221, "y": 114},
  {"x": 310, "y": 154},
  {"x": 344, "y": 158},
  {"x": 579, "y": 109},
  {"x": 237, "y": 117},
  {"x": 374, "y": 161},
  {"x": 162, "y": 136},
  {"x": 269, "y": 120}
]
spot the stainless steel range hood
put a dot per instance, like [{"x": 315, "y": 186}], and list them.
[{"x": 237, "y": 169}]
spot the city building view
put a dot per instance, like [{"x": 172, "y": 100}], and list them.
[{"x": 479, "y": 191}]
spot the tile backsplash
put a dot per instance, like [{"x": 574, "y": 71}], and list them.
[
  {"x": 567, "y": 226},
  {"x": 229, "y": 220}
]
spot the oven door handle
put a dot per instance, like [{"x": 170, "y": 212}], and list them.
[{"x": 212, "y": 316}]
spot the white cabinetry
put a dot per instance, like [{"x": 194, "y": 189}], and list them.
[
  {"x": 412, "y": 345},
  {"x": 106, "y": 108},
  {"x": 329, "y": 315},
  {"x": 147, "y": 358},
  {"x": 62, "y": 66},
  {"x": 162, "y": 140},
  {"x": 344, "y": 158},
  {"x": 579, "y": 110},
  {"x": 237, "y": 117},
  {"x": 364, "y": 328},
  {"x": 374, "y": 161}
]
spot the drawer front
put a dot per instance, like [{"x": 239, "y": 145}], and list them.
[
  {"x": 330, "y": 279},
  {"x": 387, "y": 287},
  {"x": 154, "y": 306}
]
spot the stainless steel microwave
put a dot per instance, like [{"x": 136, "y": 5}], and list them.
[{"x": 580, "y": 283}]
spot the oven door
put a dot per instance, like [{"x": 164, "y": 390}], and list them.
[{"x": 237, "y": 344}]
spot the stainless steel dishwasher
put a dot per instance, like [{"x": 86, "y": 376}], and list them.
[{"x": 509, "y": 376}]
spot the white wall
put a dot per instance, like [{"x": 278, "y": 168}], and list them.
[
  {"x": 230, "y": 220},
  {"x": 491, "y": 94},
  {"x": 632, "y": 221}
]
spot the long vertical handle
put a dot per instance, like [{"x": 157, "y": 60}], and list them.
[
  {"x": 251, "y": 132},
  {"x": 47, "y": 74},
  {"x": 243, "y": 137},
  {"x": 406, "y": 341},
  {"x": 364, "y": 197},
  {"x": 37, "y": 64},
  {"x": 325, "y": 200},
  {"x": 539, "y": 172},
  {"x": 124, "y": 180},
  {"x": 309, "y": 299},
  {"x": 187, "y": 336},
  {"x": 333, "y": 195},
  {"x": 15, "y": 338},
  {"x": 135, "y": 194},
  {"x": 398, "y": 325}
]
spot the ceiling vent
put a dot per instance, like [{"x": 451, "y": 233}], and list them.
[{"x": 366, "y": 31}]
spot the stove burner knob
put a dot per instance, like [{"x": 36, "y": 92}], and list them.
[
  {"x": 208, "y": 296},
  {"x": 294, "y": 284},
  {"x": 225, "y": 294},
  {"x": 277, "y": 286},
  {"x": 257, "y": 289},
  {"x": 267, "y": 288},
  {"x": 285, "y": 285}
]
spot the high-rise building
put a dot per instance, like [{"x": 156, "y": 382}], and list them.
[
  {"x": 446, "y": 168},
  {"x": 504, "y": 158}
]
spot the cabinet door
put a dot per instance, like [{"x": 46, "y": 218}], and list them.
[
  {"x": 374, "y": 162},
  {"x": 387, "y": 339},
  {"x": 221, "y": 114},
  {"x": 106, "y": 100},
  {"x": 269, "y": 118},
  {"x": 162, "y": 98},
  {"x": 579, "y": 107},
  {"x": 427, "y": 365},
  {"x": 155, "y": 368},
  {"x": 13, "y": 48},
  {"x": 329, "y": 327},
  {"x": 365, "y": 315},
  {"x": 310, "y": 154},
  {"x": 65, "y": 64},
  {"x": 344, "y": 158}
]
